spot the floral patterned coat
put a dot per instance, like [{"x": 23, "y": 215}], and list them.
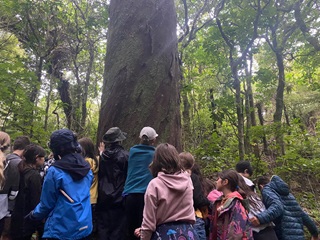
[{"x": 230, "y": 219}]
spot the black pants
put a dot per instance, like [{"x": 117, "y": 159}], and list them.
[
  {"x": 134, "y": 204},
  {"x": 111, "y": 223},
  {"x": 1, "y": 225},
  {"x": 266, "y": 234}
]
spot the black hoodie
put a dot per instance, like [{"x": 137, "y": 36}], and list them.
[{"x": 112, "y": 175}]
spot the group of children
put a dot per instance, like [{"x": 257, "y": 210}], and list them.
[{"x": 150, "y": 192}]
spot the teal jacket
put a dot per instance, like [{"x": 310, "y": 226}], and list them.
[
  {"x": 284, "y": 210},
  {"x": 139, "y": 175}
]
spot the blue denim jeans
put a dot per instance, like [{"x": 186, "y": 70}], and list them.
[{"x": 199, "y": 228}]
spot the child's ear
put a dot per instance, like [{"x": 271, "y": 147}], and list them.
[
  {"x": 225, "y": 182},
  {"x": 246, "y": 171}
]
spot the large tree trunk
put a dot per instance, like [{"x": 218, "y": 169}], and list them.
[{"x": 142, "y": 71}]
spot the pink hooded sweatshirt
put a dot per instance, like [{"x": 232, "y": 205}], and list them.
[{"x": 169, "y": 198}]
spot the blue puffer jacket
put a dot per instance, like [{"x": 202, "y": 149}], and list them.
[
  {"x": 67, "y": 218},
  {"x": 284, "y": 210}
]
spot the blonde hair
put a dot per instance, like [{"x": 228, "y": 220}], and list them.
[
  {"x": 186, "y": 160},
  {"x": 4, "y": 144}
]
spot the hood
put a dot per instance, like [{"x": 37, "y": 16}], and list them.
[
  {"x": 214, "y": 195},
  {"x": 74, "y": 164},
  {"x": 228, "y": 200},
  {"x": 110, "y": 152},
  {"x": 277, "y": 184},
  {"x": 234, "y": 194},
  {"x": 179, "y": 181}
]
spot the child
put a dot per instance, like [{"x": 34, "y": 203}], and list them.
[
  {"x": 29, "y": 193},
  {"x": 200, "y": 202},
  {"x": 264, "y": 231},
  {"x": 139, "y": 176},
  {"x": 284, "y": 210},
  {"x": 4, "y": 146},
  {"x": 244, "y": 168},
  {"x": 65, "y": 197},
  {"x": 168, "y": 212},
  {"x": 230, "y": 218},
  {"x": 113, "y": 168}
]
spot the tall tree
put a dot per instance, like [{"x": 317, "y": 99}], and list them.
[
  {"x": 279, "y": 29},
  {"x": 141, "y": 70},
  {"x": 239, "y": 43}
]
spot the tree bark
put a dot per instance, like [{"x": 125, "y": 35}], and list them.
[
  {"x": 277, "y": 117},
  {"x": 261, "y": 120},
  {"x": 239, "y": 107},
  {"x": 48, "y": 100},
  {"x": 66, "y": 99},
  {"x": 186, "y": 133},
  {"x": 84, "y": 110},
  {"x": 142, "y": 71}
]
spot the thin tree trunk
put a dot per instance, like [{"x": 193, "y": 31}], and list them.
[
  {"x": 277, "y": 117},
  {"x": 186, "y": 119},
  {"x": 239, "y": 107},
  {"x": 84, "y": 111},
  {"x": 261, "y": 120},
  {"x": 213, "y": 109},
  {"x": 251, "y": 107},
  {"x": 67, "y": 102},
  {"x": 48, "y": 100},
  {"x": 247, "y": 146}
]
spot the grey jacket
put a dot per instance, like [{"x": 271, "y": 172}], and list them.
[{"x": 12, "y": 179}]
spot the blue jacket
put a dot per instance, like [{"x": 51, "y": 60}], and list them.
[
  {"x": 284, "y": 210},
  {"x": 139, "y": 175},
  {"x": 66, "y": 219}
]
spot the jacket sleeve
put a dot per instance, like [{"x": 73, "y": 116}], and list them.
[
  {"x": 35, "y": 189},
  {"x": 309, "y": 223},
  {"x": 49, "y": 196},
  {"x": 199, "y": 200},
  {"x": 149, "y": 213},
  {"x": 273, "y": 204}
]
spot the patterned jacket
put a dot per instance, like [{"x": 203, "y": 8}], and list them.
[{"x": 230, "y": 219}]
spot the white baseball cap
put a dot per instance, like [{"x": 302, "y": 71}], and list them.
[{"x": 149, "y": 132}]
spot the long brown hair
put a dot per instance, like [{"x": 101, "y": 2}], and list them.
[
  {"x": 88, "y": 149},
  {"x": 166, "y": 159},
  {"x": 254, "y": 199}
]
